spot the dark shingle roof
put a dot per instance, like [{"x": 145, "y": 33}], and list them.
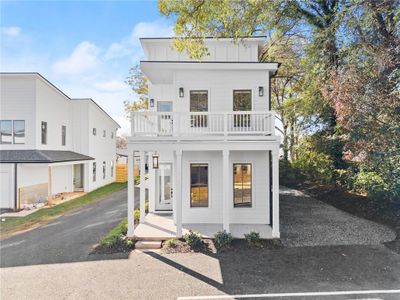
[{"x": 40, "y": 156}]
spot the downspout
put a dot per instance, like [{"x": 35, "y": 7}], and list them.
[{"x": 15, "y": 186}]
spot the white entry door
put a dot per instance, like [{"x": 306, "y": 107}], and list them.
[{"x": 164, "y": 183}]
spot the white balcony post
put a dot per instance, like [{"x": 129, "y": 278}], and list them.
[
  {"x": 275, "y": 193},
  {"x": 226, "y": 199},
  {"x": 142, "y": 187},
  {"x": 131, "y": 193},
  {"x": 178, "y": 193},
  {"x": 133, "y": 123}
]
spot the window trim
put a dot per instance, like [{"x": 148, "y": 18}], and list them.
[
  {"x": 208, "y": 183},
  {"x": 252, "y": 185},
  {"x": 41, "y": 133}
]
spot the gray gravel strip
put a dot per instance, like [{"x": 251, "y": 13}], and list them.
[{"x": 306, "y": 221}]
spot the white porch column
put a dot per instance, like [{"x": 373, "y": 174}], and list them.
[
  {"x": 178, "y": 193},
  {"x": 131, "y": 193},
  {"x": 142, "y": 187},
  {"x": 275, "y": 193},
  {"x": 225, "y": 189}
]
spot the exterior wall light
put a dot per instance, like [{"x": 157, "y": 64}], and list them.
[
  {"x": 151, "y": 102},
  {"x": 181, "y": 93},
  {"x": 260, "y": 91},
  {"x": 155, "y": 161}
]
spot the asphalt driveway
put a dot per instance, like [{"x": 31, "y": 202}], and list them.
[{"x": 69, "y": 238}]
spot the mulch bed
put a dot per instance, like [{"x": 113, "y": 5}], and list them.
[
  {"x": 238, "y": 245},
  {"x": 378, "y": 210}
]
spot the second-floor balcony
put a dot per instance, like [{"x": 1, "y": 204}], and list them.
[{"x": 195, "y": 124}]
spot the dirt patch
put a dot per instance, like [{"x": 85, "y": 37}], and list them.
[{"x": 378, "y": 210}]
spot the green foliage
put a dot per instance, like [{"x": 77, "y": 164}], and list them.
[
  {"x": 222, "y": 239},
  {"x": 314, "y": 166},
  {"x": 116, "y": 237},
  {"x": 370, "y": 183},
  {"x": 139, "y": 85},
  {"x": 194, "y": 240},
  {"x": 253, "y": 239},
  {"x": 170, "y": 243}
]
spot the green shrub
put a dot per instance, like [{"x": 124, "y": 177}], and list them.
[
  {"x": 370, "y": 183},
  {"x": 116, "y": 237},
  {"x": 171, "y": 243},
  {"x": 222, "y": 239},
  {"x": 315, "y": 166},
  {"x": 193, "y": 239},
  {"x": 253, "y": 239}
]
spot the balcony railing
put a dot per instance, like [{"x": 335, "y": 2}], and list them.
[{"x": 203, "y": 123}]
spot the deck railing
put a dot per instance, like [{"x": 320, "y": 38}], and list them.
[{"x": 203, "y": 123}]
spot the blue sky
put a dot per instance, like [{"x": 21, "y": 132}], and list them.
[{"x": 85, "y": 48}]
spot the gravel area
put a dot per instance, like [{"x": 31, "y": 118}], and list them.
[{"x": 306, "y": 221}]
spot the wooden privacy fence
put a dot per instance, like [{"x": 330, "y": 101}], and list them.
[{"x": 122, "y": 172}]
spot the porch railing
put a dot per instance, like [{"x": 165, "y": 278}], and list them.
[{"x": 203, "y": 123}]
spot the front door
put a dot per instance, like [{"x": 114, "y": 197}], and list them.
[
  {"x": 242, "y": 103},
  {"x": 78, "y": 177},
  {"x": 198, "y": 106},
  {"x": 165, "y": 121},
  {"x": 164, "y": 183}
]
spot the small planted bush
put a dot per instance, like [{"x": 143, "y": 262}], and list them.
[
  {"x": 222, "y": 239},
  {"x": 116, "y": 237},
  {"x": 171, "y": 243},
  {"x": 193, "y": 239},
  {"x": 253, "y": 239}
]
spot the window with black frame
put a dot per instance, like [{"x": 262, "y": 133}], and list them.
[
  {"x": 242, "y": 185},
  {"x": 198, "y": 103},
  {"x": 198, "y": 185},
  {"x": 242, "y": 102},
  {"x": 63, "y": 135}
]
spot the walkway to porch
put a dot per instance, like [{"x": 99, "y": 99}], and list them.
[{"x": 162, "y": 227}]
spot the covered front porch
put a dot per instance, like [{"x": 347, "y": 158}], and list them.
[
  {"x": 162, "y": 227},
  {"x": 223, "y": 216}
]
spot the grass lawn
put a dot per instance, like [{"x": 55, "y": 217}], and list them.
[{"x": 15, "y": 224}]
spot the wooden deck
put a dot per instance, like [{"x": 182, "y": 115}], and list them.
[{"x": 162, "y": 227}]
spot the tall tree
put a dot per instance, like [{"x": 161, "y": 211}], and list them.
[{"x": 139, "y": 85}]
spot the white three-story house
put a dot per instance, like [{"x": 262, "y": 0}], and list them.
[
  {"x": 209, "y": 141},
  {"x": 50, "y": 143}
]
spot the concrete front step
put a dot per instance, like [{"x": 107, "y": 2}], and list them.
[{"x": 148, "y": 245}]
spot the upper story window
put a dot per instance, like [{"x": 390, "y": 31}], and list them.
[
  {"x": 94, "y": 131},
  {"x": 12, "y": 132},
  {"x": 242, "y": 185},
  {"x": 63, "y": 135},
  {"x": 6, "y": 131},
  {"x": 44, "y": 133},
  {"x": 104, "y": 133},
  {"x": 198, "y": 103},
  {"x": 19, "y": 131},
  {"x": 242, "y": 102}
]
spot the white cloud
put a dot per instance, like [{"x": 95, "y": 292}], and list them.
[
  {"x": 110, "y": 86},
  {"x": 84, "y": 58},
  {"x": 11, "y": 31},
  {"x": 130, "y": 45},
  {"x": 158, "y": 28}
]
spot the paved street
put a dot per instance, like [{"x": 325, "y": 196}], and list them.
[
  {"x": 55, "y": 263},
  {"x": 69, "y": 238}
]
